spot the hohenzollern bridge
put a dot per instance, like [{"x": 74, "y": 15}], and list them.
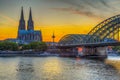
[{"x": 95, "y": 42}]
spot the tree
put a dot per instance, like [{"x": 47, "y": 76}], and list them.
[
  {"x": 43, "y": 46},
  {"x": 38, "y": 46},
  {"x": 7, "y": 45},
  {"x": 26, "y": 46}
]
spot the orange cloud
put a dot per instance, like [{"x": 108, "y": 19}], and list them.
[{"x": 7, "y": 20}]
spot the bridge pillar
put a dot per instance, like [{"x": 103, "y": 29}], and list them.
[
  {"x": 94, "y": 52},
  {"x": 102, "y": 51},
  {"x": 89, "y": 51},
  {"x": 75, "y": 50},
  {"x": 69, "y": 52}
]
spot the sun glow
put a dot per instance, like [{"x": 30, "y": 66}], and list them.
[{"x": 52, "y": 67}]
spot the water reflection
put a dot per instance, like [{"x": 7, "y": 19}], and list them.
[
  {"x": 52, "y": 67},
  {"x": 8, "y": 68},
  {"x": 25, "y": 69},
  {"x": 56, "y": 68},
  {"x": 114, "y": 61}
]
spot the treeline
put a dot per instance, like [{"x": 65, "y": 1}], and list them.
[
  {"x": 35, "y": 46},
  {"x": 6, "y": 45}
]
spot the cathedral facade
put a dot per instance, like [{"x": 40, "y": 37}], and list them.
[{"x": 28, "y": 34}]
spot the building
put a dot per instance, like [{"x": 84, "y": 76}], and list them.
[{"x": 27, "y": 35}]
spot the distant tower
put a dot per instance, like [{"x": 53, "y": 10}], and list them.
[
  {"x": 30, "y": 21},
  {"x": 22, "y": 21},
  {"x": 53, "y": 43},
  {"x": 53, "y": 37}
]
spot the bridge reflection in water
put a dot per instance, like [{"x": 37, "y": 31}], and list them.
[{"x": 96, "y": 41}]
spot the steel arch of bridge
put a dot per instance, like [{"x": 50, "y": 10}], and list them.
[
  {"x": 108, "y": 29},
  {"x": 71, "y": 39},
  {"x": 75, "y": 39}
]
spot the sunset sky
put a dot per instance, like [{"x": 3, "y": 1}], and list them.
[{"x": 59, "y": 16}]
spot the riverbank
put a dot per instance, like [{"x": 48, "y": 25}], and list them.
[
  {"x": 46, "y": 54},
  {"x": 25, "y": 54}
]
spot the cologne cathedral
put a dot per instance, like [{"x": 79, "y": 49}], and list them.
[{"x": 28, "y": 34}]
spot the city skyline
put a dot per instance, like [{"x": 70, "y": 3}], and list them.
[{"x": 59, "y": 16}]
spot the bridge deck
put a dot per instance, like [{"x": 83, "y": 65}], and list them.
[{"x": 101, "y": 44}]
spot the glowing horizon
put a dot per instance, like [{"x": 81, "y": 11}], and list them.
[{"x": 59, "y": 16}]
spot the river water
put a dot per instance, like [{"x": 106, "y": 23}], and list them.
[{"x": 56, "y": 68}]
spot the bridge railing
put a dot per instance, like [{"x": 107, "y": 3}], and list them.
[{"x": 85, "y": 44}]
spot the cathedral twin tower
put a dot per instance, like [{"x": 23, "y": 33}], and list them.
[
  {"x": 29, "y": 34},
  {"x": 22, "y": 21}
]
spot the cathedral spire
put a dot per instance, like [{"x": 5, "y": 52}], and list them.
[
  {"x": 30, "y": 14},
  {"x": 30, "y": 21},
  {"x": 22, "y": 21},
  {"x": 22, "y": 14}
]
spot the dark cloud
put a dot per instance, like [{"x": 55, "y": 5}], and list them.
[
  {"x": 85, "y": 3},
  {"x": 77, "y": 11},
  {"x": 91, "y": 8},
  {"x": 106, "y": 4}
]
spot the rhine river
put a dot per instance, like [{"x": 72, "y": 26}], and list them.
[{"x": 57, "y": 68}]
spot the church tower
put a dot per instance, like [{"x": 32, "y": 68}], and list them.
[
  {"x": 30, "y": 25},
  {"x": 28, "y": 35},
  {"x": 22, "y": 21}
]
